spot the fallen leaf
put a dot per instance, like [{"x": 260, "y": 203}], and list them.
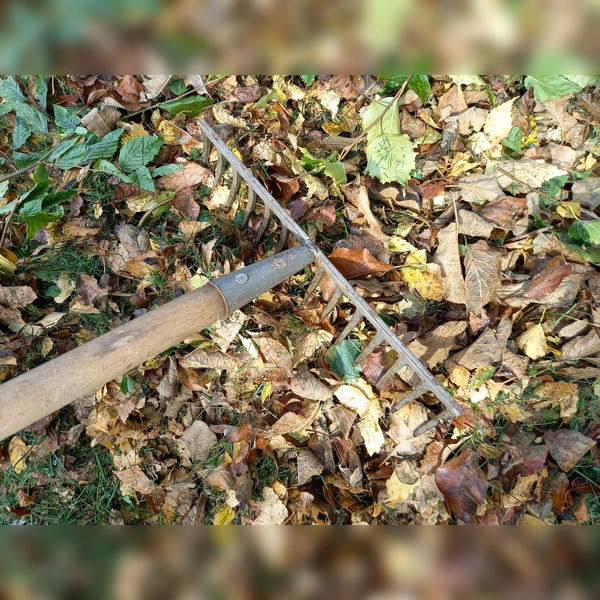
[
  {"x": 448, "y": 258},
  {"x": 425, "y": 278},
  {"x": 370, "y": 429},
  {"x": 504, "y": 211},
  {"x": 191, "y": 176},
  {"x": 397, "y": 490},
  {"x": 275, "y": 353},
  {"x": 272, "y": 509},
  {"x": 482, "y": 276},
  {"x": 582, "y": 346},
  {"x": 470, "y": 223},
  {"x": 88, "y": 287},
  {"x": 357, "y": 263},
  {"x": 197, "y": 441},
  {"x": 224, "y": 515},
  {"x": 16, "y": 296},
  {"x": 533, "y": 342},
  {"x": 308, "y": 466},
  {"x": 531, "y": 172},
  {"x": 403, "y": 422},
  {"x": 306, "y": 385},
  {"x": 18, "y": 451},
  {"x": 154, "y": 84},
  {"x": 463, "y": 485},
  {"x": 451, "y": 103},
  {"x": 225, "y": 330},
  {"x": 436, "y": 346},
  {"x": 184, "y": 202},
  {"x": 291, "y": 422},
  {"x": 557, "y": 393},
  {"x": 521, "y": 492},
  {"x": 359, "y": 197},
  {"x": 478, "y": 189},
  {"x": 567, "y": 447},
  {"x": 136, "y": 479},
  {"x": 571, "y": 130},
  {"x": 101, "y": 120},
  {"x": 549, "y": 279},
  {"x": 581, "y": 513},
  {"x": 498, "y": 125}
]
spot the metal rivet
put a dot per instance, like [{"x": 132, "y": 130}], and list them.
[{"x": 241, "y": 278}]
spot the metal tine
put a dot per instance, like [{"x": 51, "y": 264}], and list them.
[
  {"x": 352, "y": 323},
  {"x": 315, "y": 281},
  {"x": 424, "y": 427},
  {"x": 249, "y": 207},
  {"x": 412, "y": 395},
  {"x": 219, "y": 171},
  {"x": 331, "y": 304},
  {"x": 376, "y": 341},
  {"x": 282, "y": 239},
  {"x": 206, "y": 146},
  {"x": 235, "y": 186},
  {"x": 265, "y": 223},
  {"x": 398, "y": 364}
]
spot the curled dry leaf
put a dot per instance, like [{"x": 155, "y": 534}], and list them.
[
  {"x": 448, "y": 258},
  {"x": 18, "y": 451},
  {"x": 272, "y": 509},
  {"x": 463, "y": 485},
  {"x": 567, "y": 447},
  {"x": 357, "y": 263},
  {"x": 136, "y": 479},
  {"x": 549, "y": 279},
  {"x": 482, "y": 275}
]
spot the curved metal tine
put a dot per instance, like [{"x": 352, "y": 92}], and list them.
[
  {"x": 352, "y": 323},
  {"x": 412, "y": 395},
  {"x": 331, "y": 304},
  {"x": 424, "y": 427},
  {"x": 235, "y": 186},
  {"x": 206, "y": 145},
  {"x": 219, "y": 171},
  {"x": 376, "y": 341},
  {"x": 315, "y": 282},
  {"x": 398, "y": 364},
  {"x": 282, "y": 239},
  {"x": 265, "y": 223},
  {"x": 249, "y": 207}
]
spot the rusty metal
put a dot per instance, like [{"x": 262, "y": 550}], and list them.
[{"x": 407, "y": 366}]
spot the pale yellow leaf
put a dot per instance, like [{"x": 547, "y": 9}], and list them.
[
  {"x": 273, "y": 511},
  {"x": 17, "y": 451},
  {"x": 533, "y": 342},
  {"x": 425, "y": 278},
  {"x": 397, "y": 490}
]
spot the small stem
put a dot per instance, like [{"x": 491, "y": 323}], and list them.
[
  {"x": 7, "y": 223},
  {"x": 149, "y": 212},
  {"x": 30, "y": 167}
]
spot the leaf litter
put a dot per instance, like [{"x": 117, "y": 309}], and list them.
[{"x": 469, "y": 225}]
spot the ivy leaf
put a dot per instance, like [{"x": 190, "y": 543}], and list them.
[
  {"x": 192, "y": 106},
  {"x": 21, "y": 133},
  {"x": 107, "y": 167},
  {"x": 587, "y": 232},
  {"x": 340, "y": 358},
  {"x": 390, "y": 154},
  {"x": 138, "y": 152},
  {"x": 10, "y": 90},
  {"x": 65, "y": 118},
  {"x": 551, "y": 87},
  {"x": 421, "y": 86}
]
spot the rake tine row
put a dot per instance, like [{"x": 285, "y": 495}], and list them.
[{"x": 344, "y": 290}]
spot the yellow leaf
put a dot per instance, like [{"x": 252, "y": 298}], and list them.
[
  {"x": 569, "y": 210},
  {"x": 7, "y": 260},
  {"x": 135, "y": 130},
  {"x": 424, "y": 277},
  {"x": 17, "y": 450},
  {"x": 514, "y": 412},
  {"x": 397, "y": 491},
  {"x": 168, "y": 132},
  {"x": 266, "y": 392},
  {"x": 533, "y": 342}
]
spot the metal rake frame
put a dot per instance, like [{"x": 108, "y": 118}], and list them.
[{"x": 426, "y": 382}]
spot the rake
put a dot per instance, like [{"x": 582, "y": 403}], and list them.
[{"x": 46, "y": 388}]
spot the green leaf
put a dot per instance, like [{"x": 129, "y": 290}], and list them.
[
  {"x": 390, "y": 154},
  {"x": 37, "y": 192},
  {"x": 63, "y": 148},
  {"x": 41, "y": 89},
  {"x": 264, "y": 101},
  {"x": 336, "y": 171},
  {"x": 308, "y": 79},
  {"x": 143, "y": 178},
  {"x": 40, "y": 174},
  {"x": 551, "y": 87},
  {"x": 177, "y": 86},
  {"x": 71, "y": 158},
  {"x": 39, "y": 220},
  {"x": 468, "y": 80},
  {"x": 65, "y": 118},
  {"x": 20, "y": 134},
  {"x": 587, "y": 232},
  {"x": 7, "y": 208},
  {"x": 10, "y": 90},
  {"x": 138, "y": 152},
  {"x": 166, "y": 170},
  {"x": 392, "y": 82},
  {"x": 420, "y": 84},
  {"x": 190, "y": 105},
  {"x": 583, "y": 80},
  {"x": 340, "y": 358},
  {"x": 127, "y": 384},
  {"x": 552, "y": 187},
  {"x": 5, "y": 108},
  {"x": 35, "y": 119},
  {"x": 4, "y": 188},
  {"x": 591, "y": 254},
  {"x": 107, "y": 167},
  {"x": 55, "y": 198},
  {"x": 105, "y": 148},
  {"x": 513, "y": 142},
  {"x": 23, "y": 160}
]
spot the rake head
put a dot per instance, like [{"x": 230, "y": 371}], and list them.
[{"x": 407, "y": 366}]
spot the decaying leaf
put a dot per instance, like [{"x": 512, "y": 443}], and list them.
[
  {"x": 549, "y": 279},
  {"x": 557, "y": 393},
  {"x": 191, "y": 175},
  {"x": 447, "y": 257},
  {"x": 18, "y": 451},
  {"x": 482, "y": 276},
  {"x": 582, "y": 346},
  {"x": 436, "y": 346},
  {"x": 16, "y": 296},
  {"x": 136, "y": 479},
  {"x": 424, "y": 277},
  {"x": 306, "y": 385},
  {"x": 272, "y": 509},
  {"x": 463, "y": 485},
  {"x": 308, "y": 466},
  {"x": 291, "y": 422},
  {"x": 567, "y": 447},
  {"x": 533, "y": 342},
  {"x": 197, "y": 441}
]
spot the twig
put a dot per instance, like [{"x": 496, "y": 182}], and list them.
[
  {"x": 362, "y": 135},
  {"x": 7, "y": 223},
  {"x": 529, "y": 187},
  {"x": 30, "y": 167},
  {"x": 150, "y": 211},
  {"x": 139, "y": 112}
]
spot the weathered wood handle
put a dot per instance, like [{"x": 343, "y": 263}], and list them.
[{"x": 39, "y": 392}]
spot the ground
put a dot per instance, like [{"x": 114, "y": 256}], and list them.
[{"x": 463, "y": 209}]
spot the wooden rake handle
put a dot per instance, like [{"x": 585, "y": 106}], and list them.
[{"x": 39, "y": 392}]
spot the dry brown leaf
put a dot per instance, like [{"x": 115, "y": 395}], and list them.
[
  {"x": 437, "y": 345},
  {"x": 448, "y": 258},
  {"x": 521, "y": 492},
  {"x": 503, "y": 212},
  {"x": 470, "y": 223},
  {"x": 89, "y": 289},
  {"x": 154, "y": 85},
  {"x": 358, "y": 196},
  {"x": 402, "y": 425},
  {"x": 572, "y": 131},
  {"x": 306, "y": 385},
  {"x": 101, "y": 120},
  {"x": 463, "y": 485},
  {"x": 483, "y": 352},
  {"x": 581, "y": 347},
  {"x": 581, "y": 513},
  {"x": 190, "y": 176},
  {"x": 478, "y": 189},
  {"x": 200, "y": 359},
  {"x": 272, "y": 509},
  {"x": 567, "y": 447},
  {"x": 16, "y": 296},
  {"x": 196, "y": 442},
  {"x": 291, "y": 422},
  {"x": 357, "y": 263},
  {"x": 482, "y": 275},
  {"x": 226, "y": 329},
  {"x": 308, "y": 466},
  {"x": 452, "y": 103},
  {"x": 533, "y": 342},
  {"x": 184, "y": 202},
  {"x": 136, "y": 479},
  {"x": 557, "y": 393},
  {"x": 549, "y": 279},
  {"x": 275, "y": 353}
]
